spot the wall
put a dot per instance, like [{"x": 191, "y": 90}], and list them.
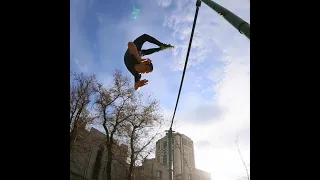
[{"x": 84, "y": 161}]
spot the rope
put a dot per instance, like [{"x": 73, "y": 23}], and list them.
[{"x": 185, "y": 65}]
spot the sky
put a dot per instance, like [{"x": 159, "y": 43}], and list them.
[{"x": 214, "y": 105}]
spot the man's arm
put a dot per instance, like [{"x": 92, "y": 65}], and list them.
[
  {"x": 136, "y": 86},
  {"x": 133, "y": 50}
]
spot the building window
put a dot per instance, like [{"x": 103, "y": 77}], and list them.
[
  {"x": 165, "y": 144},
  {"x": 165, "y": 160},
  {"x": 158, "y": 146},
  {"x": 159, "y": 174},
  {"x": 189, "y": 177},
  {"x": 190, "y": 144},
  {"x": 158, "y": 158}
]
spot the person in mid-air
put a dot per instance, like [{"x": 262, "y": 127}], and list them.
[{"x": 133, "y": 58}]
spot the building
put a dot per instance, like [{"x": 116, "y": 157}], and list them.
[
  {"x": 151, "y": 170},
  {"x": 183, "y": 161},
  {"x": 202, "y": 175},
  {"x": 183, "y": 157},
  {"x": 88, "y": 159}
]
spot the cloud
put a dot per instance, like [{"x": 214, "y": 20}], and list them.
[
  {"x": 194, "y": 109},
  {"x": 212, "y": 32},
  {"x": 224, "y": 163},
  {"x": 164, "y": 3},
  {"x": 231, "y": 94},
  {"x": 206, "y": 112},
  {"x": 215, "y": 148},
  {"x": 220, "y": 55},
  {"x": 203, "y": 144}
]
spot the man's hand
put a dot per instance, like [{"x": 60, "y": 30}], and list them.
[{"x": 141, "y": 83}]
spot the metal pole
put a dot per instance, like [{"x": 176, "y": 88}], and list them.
[
  {"x": 170, "y": 154},
  {"x": 242, "y": 26},
  {"x": 198, "y": 4}
]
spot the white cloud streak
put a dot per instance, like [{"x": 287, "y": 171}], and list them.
[{"x": 164, "y": 3}]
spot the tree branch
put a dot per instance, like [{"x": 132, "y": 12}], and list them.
[{"x": 242, "y": 160}]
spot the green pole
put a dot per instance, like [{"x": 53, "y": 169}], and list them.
[
  {"x": 242, "y": 26},
  {"x": 170, "y": 154}
]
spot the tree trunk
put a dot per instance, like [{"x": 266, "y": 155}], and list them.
[
  {"x": 130, "y": 167},
  {"x": 131, "y": 156},
  {"x": 73, "y": 138},
  {"x": 109, "y": 161}
]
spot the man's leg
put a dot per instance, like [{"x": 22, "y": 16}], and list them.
[
  {"x": 149, "y": 51},
  {"x": 146, "y": 38}
]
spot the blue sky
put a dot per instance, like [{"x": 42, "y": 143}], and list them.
[{"x": 215, "y": 100}]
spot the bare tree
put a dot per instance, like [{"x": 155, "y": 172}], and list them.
[
  {"x": 125, "y": 118},
  {"x": 141, "y": 130},
  {"x": 242, "y": 160},
  {"x": 81, "y": 90},
  {"x": 113, "y": 106}
]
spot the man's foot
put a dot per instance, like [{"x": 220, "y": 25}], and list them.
[{"x": 166, "y": 46}]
